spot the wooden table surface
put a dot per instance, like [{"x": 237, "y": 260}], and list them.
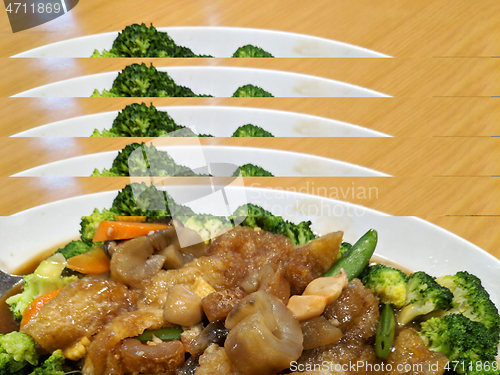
[
  {"x": 436, "y": 134},
  {"x": 398, "y": 156},
  {"x": 401, "y": 28},
  {"x": 405, "y": 77},
  {"x": 432, "y": 199},
  {"x": 406, "y": 117}
]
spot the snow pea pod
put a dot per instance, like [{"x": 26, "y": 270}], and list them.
[
  {"x": 385, "y": 332},
  {"x": 357, "y": 258}
]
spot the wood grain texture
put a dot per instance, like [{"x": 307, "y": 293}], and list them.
[
  {"x": 412, "y": 77},
  {"x": 401, "y": 28},
  {"x": 398, "y": 156},
  {"x": 429, "y": 198},
  {"x": 419, "y": 117}
]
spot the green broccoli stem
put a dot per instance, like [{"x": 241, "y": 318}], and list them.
[
  {"x": 384, "y": 339},
  {"x": 357, "y": 258}
]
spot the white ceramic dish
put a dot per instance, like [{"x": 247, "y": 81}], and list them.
[
  {"x": 217, "y": 81},
  {"x": 408, "y": 241},
  {"x": 280, "y": 163},
  {"x": 217, "y": 42},
  {"x": 218, "y": 121}
]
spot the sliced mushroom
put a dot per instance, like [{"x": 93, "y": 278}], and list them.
[
  {"x": 142, "y": 257},
  {"x": 265, "y": 337}
]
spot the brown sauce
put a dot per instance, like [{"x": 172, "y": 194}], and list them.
[{"x": 7, "y": 322}]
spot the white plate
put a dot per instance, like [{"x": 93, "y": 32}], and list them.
[
  {"x": 218, "y": 121},
  {"x": 280, "y": 163},
  {"x": 408, "y": 241},
  {"x": 217, "y": 42},
  {"x": 218, "y": 81}
]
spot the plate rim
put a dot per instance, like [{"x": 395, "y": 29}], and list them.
[
  {"x": 163, "y": 108},
  {"x": 224, "y": 28}
]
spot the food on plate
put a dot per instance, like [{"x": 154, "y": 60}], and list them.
[
  {"x": 142, "y": 160},
  {"x": 142, "y": 81},
  {"x": 251, "y": 170},
  {"x": 250, "y": 130},
  {"x": 263, "y": 297},
  {"x": 251, "y": 51},
  {"x": 251, "y": 91},
  {"x": 139, "y": 120},
  {"x": 143, "y": 41}
]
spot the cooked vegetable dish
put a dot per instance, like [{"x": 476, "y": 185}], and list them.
[
  {"x": 264, "y": 297},
  {"x": 142, "y": 41},
  {"x": 139, "y": 120},
  {"x": 142, "y": 81},
  {"x": 149, "y": 161}
]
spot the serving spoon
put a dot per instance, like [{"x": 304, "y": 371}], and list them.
[{"x": 8, "y": 281}]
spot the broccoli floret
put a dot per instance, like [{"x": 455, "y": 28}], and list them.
[
  {"x": 106, "y": 94},
  {"x": 141, "y": 160},
  {"x": 423, "y": 295},
  {"x": 250, "y": 130},
  {"x": 143, "y": 81},
  {"x": 256, "y": 217},
  {"x": 207, "y": 226},
  {"x": 136, "y": 80},
  {"x": 134, "y": 40},
  {"x": 105, "y": 173},
  {"x": 46, "y": 278},
  {"x": 251, "y": 91},
  {"x": 158, "y": 163},
  {"x": 105, "y": 53},
  {"x": 17, "y": 352},
  {"x": 142, "y": 200},
  {"x": 139, "y": 120},
  {"x": 299, "y": 234},
  {"x": 472, "y": 300},
  {"x": 143, "y": 41},
  {"x": 54, "y": 365},
  {"x": 388, "y": 284},
  {"x": 127, "y": 160},
  {"x": 344, "y": 248},
  {"x": 251, "y": 51},
  {"x": 89, "y": 224},
  {"x": 460, "y": 339},
  {"x": 105, "y": 133},
  {"x": 135, "y": 120},
  {"x": 74, "y": 248},
  {"x": 251, "y": 170}
]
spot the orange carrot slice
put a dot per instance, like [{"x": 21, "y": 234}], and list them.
[
  {"x": 93, "y": 262},
  {"x": 121, "y": 230},
  {"x": 36, "y": 306}
]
